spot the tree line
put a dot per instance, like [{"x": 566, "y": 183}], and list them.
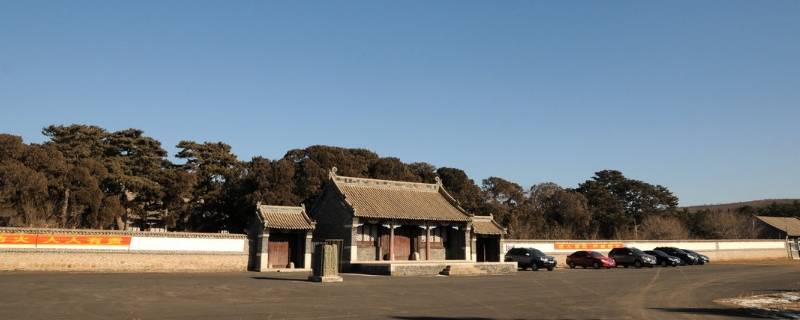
[{"x": 84, "y": 176}]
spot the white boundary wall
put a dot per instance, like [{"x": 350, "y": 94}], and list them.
[
  {"x": 187, "y": 244},
  {"x": 116, "y": 251}
]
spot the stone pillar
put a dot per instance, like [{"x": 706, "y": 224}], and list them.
[
  {"x": 468, "y": 243},
  {"x": 427, "y": 242},
  {"x": 263, "y": 250},
  {"x": 326, "y": 264},
  {"x": 391, "y": 242},
  {"x": 502, "y": 250},
  {"x": 354, "y": 240},
  {"x": 474, "y": 247},
  {"x": 307, "y": 253}
]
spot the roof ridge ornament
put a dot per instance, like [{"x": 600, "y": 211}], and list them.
[
  {"x": 332, "y": 172},
  {"x": 438, "y": 180}
]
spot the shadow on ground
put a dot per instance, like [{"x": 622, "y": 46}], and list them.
[
  {"x": 727, "y": 312},
  {"x": 280, "y": 279},
  {"x": 443, "y": 318}
]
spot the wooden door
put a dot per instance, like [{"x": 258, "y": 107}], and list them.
[
  {"x": 384, "y": 245},
  {"x": 480, "y": 247},
  {"x": 279, "y": 250},
  {"x": 402, "y": 244}
]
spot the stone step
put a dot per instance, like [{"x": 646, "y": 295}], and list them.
[{"x": 462, "y": 270}]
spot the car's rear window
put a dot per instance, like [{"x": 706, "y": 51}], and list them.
[{"x": 657, "y": 253}]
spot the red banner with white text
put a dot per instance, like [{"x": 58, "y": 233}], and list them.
[{"x": 64, "y": 241}]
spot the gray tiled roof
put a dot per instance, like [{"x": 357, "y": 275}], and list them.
[
  {"x": 790, "y": 225},
  {"x": 386, "y": 199},
  {"x": 283, "y": 217},
  {"x": 486, "y": 225}
]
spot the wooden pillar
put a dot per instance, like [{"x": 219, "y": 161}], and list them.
[
  {"x": 427, "y": 242},
  {"x": 377, "y": 242},
  {"x": 391, "y": 242}
]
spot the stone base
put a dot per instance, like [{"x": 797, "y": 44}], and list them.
[
  {"x": 462, "y": 270},
  {"x": 432, "y": 268},
  {"x": 325, "y": 278},
  {"x": 286, "y": 270}
]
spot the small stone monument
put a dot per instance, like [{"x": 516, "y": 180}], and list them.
[{"x": 326, "y": 264}]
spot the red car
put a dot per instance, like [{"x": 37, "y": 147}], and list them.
[{"x": 592, "y": 259}]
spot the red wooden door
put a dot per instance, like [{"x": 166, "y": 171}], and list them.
[
  {"x": 385, "y": 245},
  {"x": 279, "y": 250},
  {"x": 402, "y": 244}
]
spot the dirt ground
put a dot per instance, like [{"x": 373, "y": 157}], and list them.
[{"x": 658, "y": 293}]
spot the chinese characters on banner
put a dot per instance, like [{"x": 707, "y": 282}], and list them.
[
  {"x": 588, "y": 246},
  {"x": 20, "y": 240}
]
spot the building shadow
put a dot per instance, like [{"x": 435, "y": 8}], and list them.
[
  {"x": 776, "y": 290},
  {"x": 280, "y": 279},
  {"x": 439, "y": 318},
  {"x": 748, "y": 313},
  {"x": 453, "y": 318}
]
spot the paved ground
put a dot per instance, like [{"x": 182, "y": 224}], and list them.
[{"x": 671, "y": 293}]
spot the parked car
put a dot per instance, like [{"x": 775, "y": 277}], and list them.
[
  {"x": 631, "y": 257},
  {"x": 702, "y": 259},
  {"x": 530, "y": 258},
  {"x": 592, "y": 259},
  {"x": 686, "y": 257},
  {"x": 664, "y": 259}
]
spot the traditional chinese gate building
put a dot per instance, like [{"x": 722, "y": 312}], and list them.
[
  {"x": 388, "y": 225},
  {"x": 787, "y": 228},
  {"x": 488, "y": 237},
  {"x": 281, "y": 238}
]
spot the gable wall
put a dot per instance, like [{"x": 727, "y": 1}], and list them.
[{"x": 334, "y": 220}]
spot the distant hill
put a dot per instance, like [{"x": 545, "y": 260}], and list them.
[{"x": 736, "y": 205}]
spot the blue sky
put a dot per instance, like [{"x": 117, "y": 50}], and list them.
[{"x": 700, "y": 96}]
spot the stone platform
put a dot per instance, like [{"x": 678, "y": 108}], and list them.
[{"x": 431, "y": 268}]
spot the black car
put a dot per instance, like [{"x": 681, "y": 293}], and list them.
[
  {"x": 686, "y": 257},
  {"x": 664, "y": 259},
  {"x": 530, "y": 258},
  {"x": 627, "y": 257},
  {"x": 702, "y": 259}
]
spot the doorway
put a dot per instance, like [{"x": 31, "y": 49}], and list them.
[
  {"x": 487, "y": 248},
  {"x": 403, "y": 244}
]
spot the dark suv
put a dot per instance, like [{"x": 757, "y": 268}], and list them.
[
  {"x": 686, "y": 257},
  {"x": 701, "y": 258},
  {"x": 530, "y": 258},
  {"x": 631, "y": 257},
  {"x": 664, "y": 259}
]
